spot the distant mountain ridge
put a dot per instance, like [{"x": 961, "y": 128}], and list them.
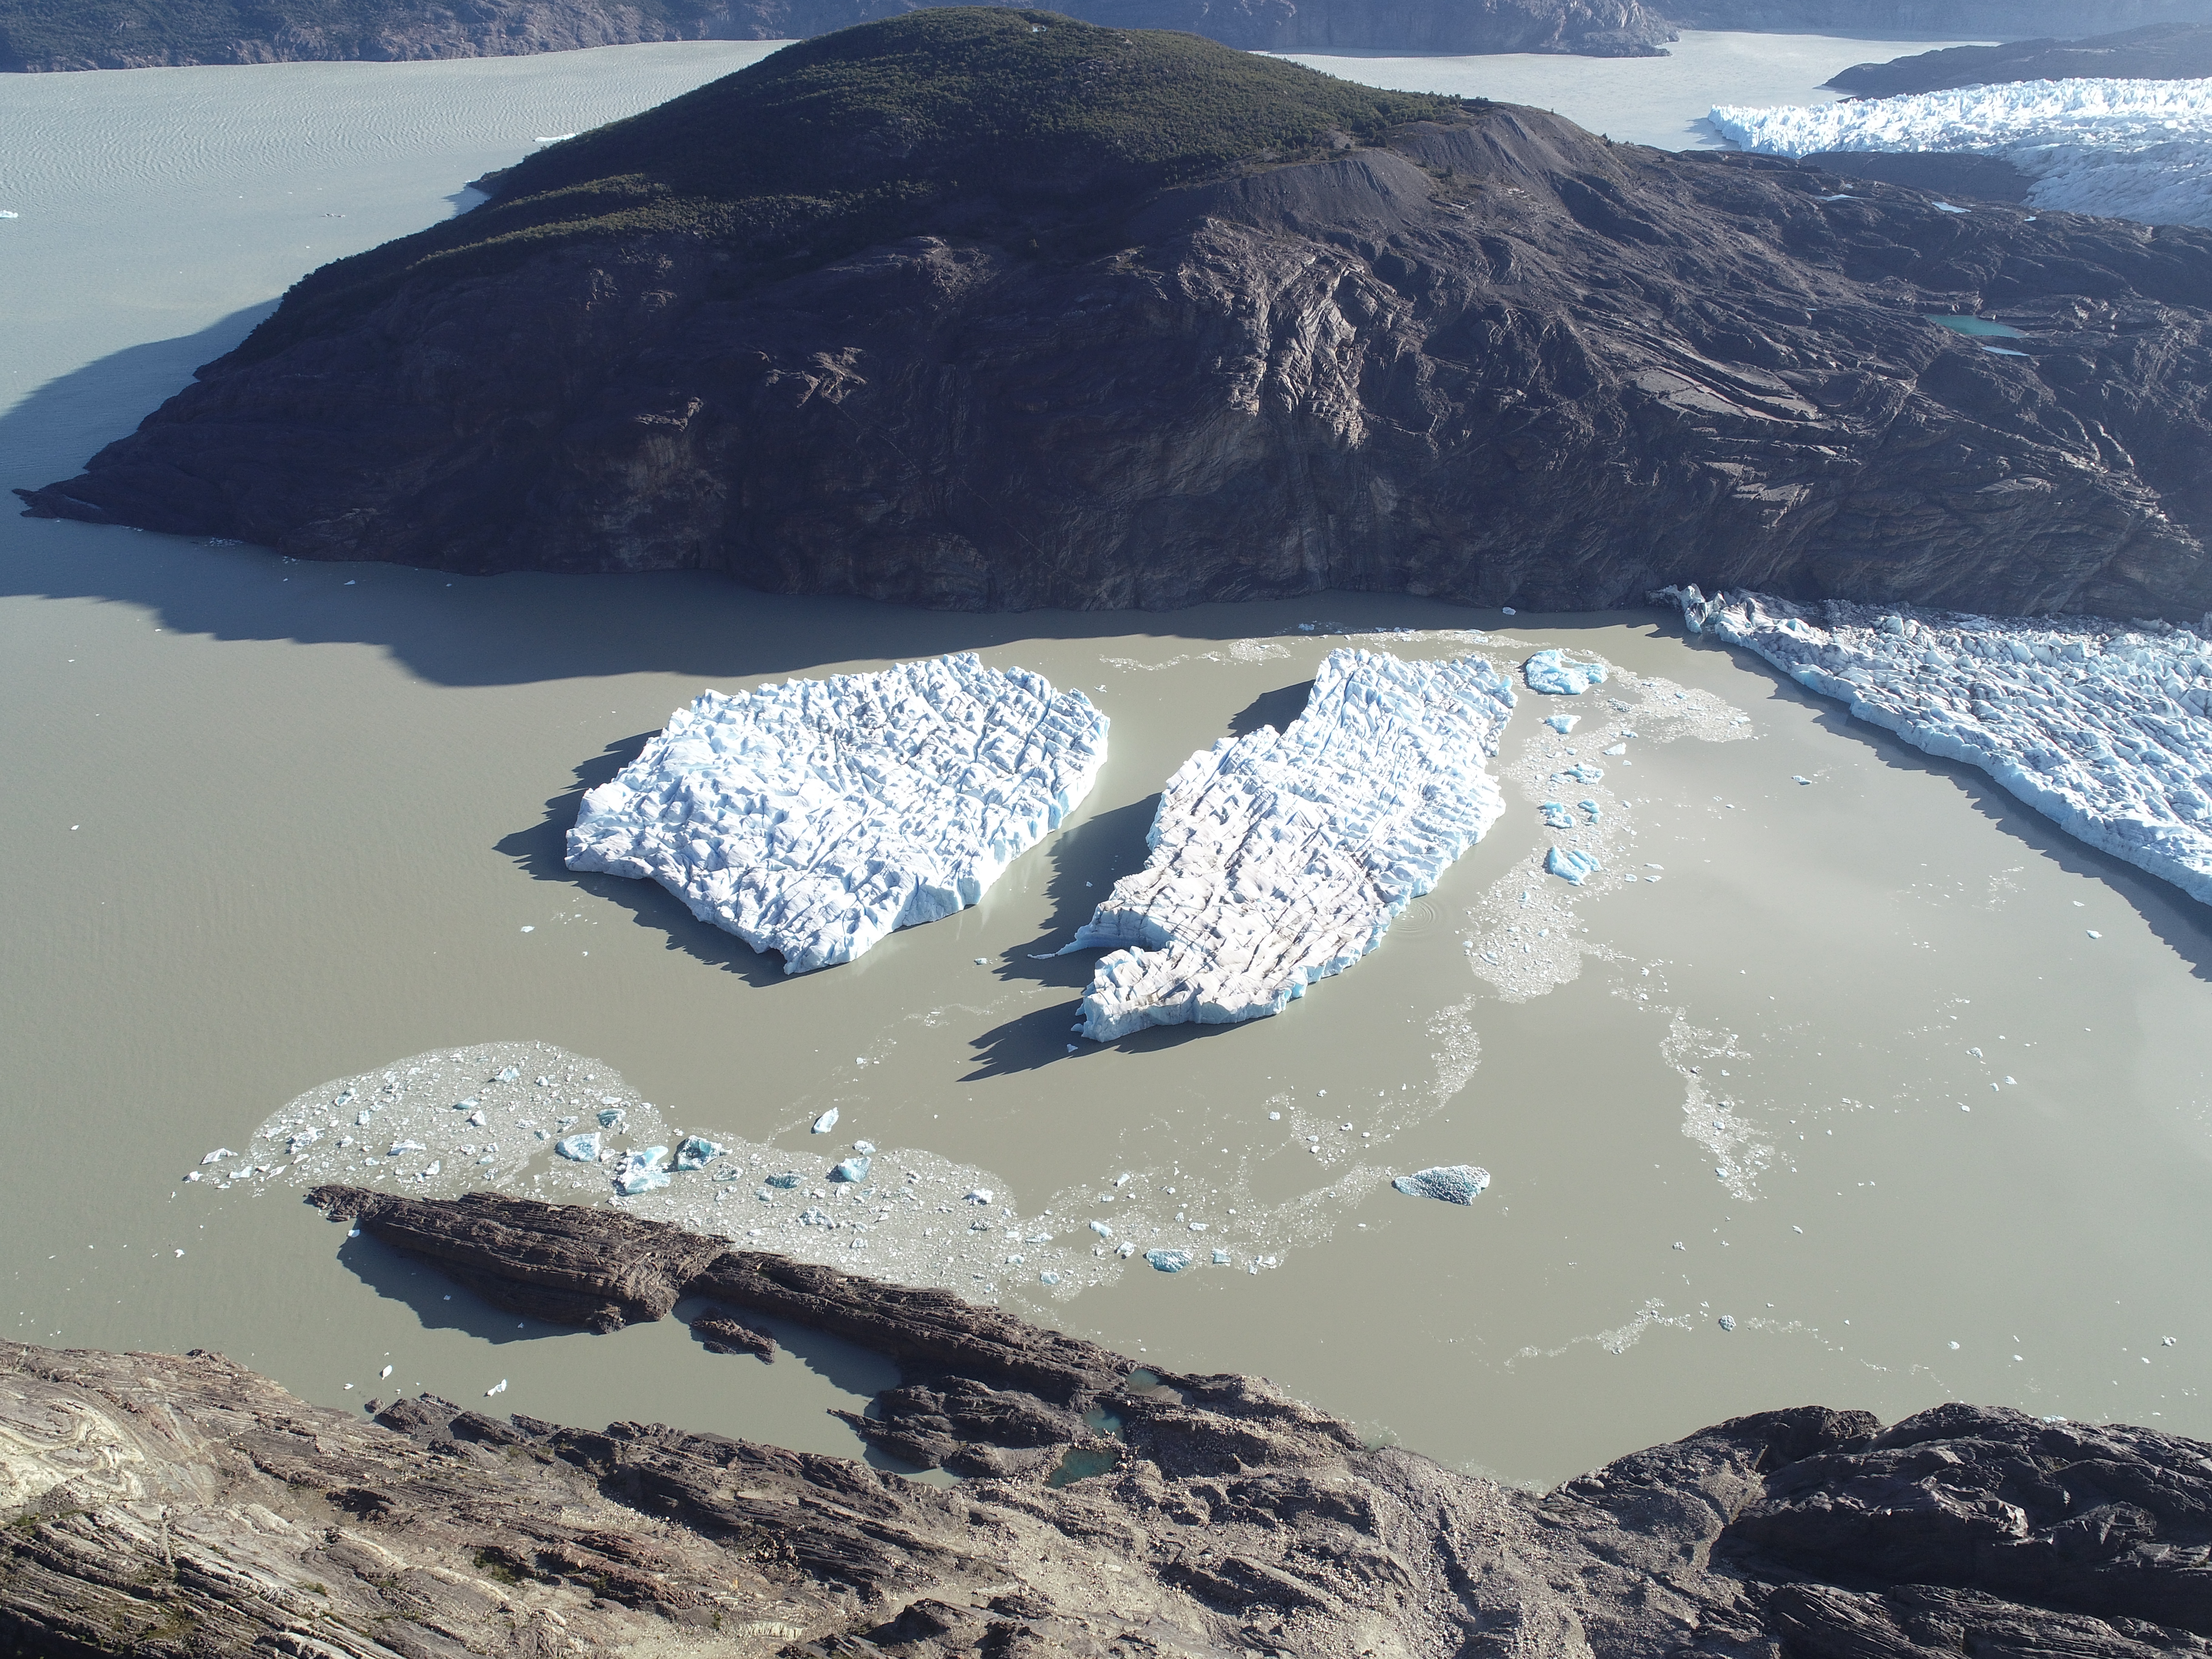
[
  {"x": 40, "y": 35},
  {"x": 2157, "y": 52}
]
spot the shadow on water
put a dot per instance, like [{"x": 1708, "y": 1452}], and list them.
[
  {"x": 437, "y": 1300},
  {"x": 1275, "y": 708},
  {"x": 842, "y": 1364},
  {"x": 2177, "y": 920},
  {"x": 541, "y": 850}
]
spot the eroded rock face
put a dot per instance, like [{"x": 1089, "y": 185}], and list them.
[
  {"x": 1503, "y": 362},
  {"x": 171, "y": 1506}
]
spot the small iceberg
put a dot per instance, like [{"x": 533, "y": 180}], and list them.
[
  {"x": 826, "y": 1122},
  {"x": 1562, "y": 724},
  {"x": 786, "y": 1181},
  {"x": 1555, "y": 674},
  {"x": 813, "y": 818},
  {"x": 1455, "y": 1183},
  {"x": 641, "y": 1171},
  {"x": 612, "y": 1118},
  {"x": 696, "y": 1152},
  {"x": 1596, "y": 813},
  {"x": 582, "y": 1149},
  {"x": 1556, "y": 815},
  {"x": 1169, "y": 1261},
  {"x": 1570, "y": 866},
  {"x": 851, "y": 1169}
]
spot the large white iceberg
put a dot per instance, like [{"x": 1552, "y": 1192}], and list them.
[
  {"x": 2105, "y": 729},
  {"x": 2130, "y": 149},
  {"x": 1280, "y": 857},
  {"x": 815, "y": 817}
]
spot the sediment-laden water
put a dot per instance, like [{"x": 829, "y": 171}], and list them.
[{"x": 1842, "y": 1062}]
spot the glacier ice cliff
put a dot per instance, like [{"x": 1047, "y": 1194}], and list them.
[
  {"x": 814, "y": 816},
  {"x": 1281, "y": 857},
  {"x": 2122, "y": 149},
  {"x": 2104, "y": 728}
]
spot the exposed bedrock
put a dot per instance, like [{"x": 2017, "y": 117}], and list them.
[
  {"x": 2157, "y": 52},
  {"x": 168, "y": 1506},
  {"x": 1496, "y": 360}
]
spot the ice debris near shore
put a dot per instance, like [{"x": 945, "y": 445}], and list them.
[
  {"x": 1455, "y": 1183},
  {"x": 815, "y": 817},
  {"x": 2104, "y": 728},
  {"x": 1555, "y": 674},
  {"x": 1571, "y": 864},
  {"x": 2131, "y": 149},
  {"x": 1279, "y": 858}
]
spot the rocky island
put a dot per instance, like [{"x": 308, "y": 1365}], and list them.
[
  {"x": 983, "y": 309},
  {"x": 173, "y": 1506}
]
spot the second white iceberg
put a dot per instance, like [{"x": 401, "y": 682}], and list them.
[{"x": 1279, "y": 858}]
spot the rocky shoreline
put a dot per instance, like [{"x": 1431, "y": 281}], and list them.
[{"x": 184, "y": 1505}]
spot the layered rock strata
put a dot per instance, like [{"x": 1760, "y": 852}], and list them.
[
  {"x": 173, "y": 1506},
  {"x": 1491, "y": 358},
  {"x": 1279, "y": 858},
  {"x": 813, "y": 818}
]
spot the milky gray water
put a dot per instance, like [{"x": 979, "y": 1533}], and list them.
[{"x": 279, "y": 832}]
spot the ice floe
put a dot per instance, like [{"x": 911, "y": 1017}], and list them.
[
  {"x": 1556, "y": 674},
  {"x": 2105, "y": 728},
  {"x": 1279, "y": 858},
  {"x": 1455, "y": 1183},
  {"x": 2133, "y": 150},
  {"x": 814, "y": 816},
  {"x": 1571, "y": 864}
]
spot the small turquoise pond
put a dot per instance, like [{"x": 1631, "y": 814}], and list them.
[{"x": 1980, "y": 327}]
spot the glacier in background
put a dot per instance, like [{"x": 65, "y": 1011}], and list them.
[
  {"x": 2105, "y": 729},
  {"x": 1279, "y": 858},
  {"x": 813, "y": 818},
  {"x": 2124, "y": 149}
]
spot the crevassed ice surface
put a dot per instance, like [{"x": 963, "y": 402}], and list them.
[
  {"x": 1279, "y": 858},
  {"x": 2105, "y": 729},
  {"x": 2133, "y": 150},
  {"x": 814, "y": 816}
]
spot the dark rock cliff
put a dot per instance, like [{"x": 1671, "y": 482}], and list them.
[
  {"x": 184, "y": 1506},
  {"x": 1486, "y": 357},
  {"x": 2159, "y": 51},
  {"x": 2000, "y": 20}
]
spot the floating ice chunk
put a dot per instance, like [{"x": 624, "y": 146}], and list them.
[
  {"x": 399, "y": 1146},
  {"x": 1596, "y": 812},
  {"x": 696, "y": 1152},
  {"x": 1221, "y": 1258},
  {"x": 1793, "y": 778},
  {"x": 1169, "y": 1261},
  {"x": 980, "y": 1195},
  {"x": 1102, "y": 1230},
  {"x": 1280, "y": 859},
  {"x": 507, "y": 1074},
  {"x": 1048, "y": 1277},
  {"x": 476, "y": 1119},
  {"x": 826, "y": 1122},
  {"x": 218, "y": 1155},
  {"x": 851, "y": 1169},
  {"x": 813, "y": 818},
  {"x": 612, "y": 1118},
  {"x": 641, "y": 1172},
  {"x": 581, "y": 1149},
  {"x": 1556, "y": 815},
  {"x": 866, "y": 1146},
  {"x": 386, "y": 1372},
  {"x": 499, "y": 1387},
  {"x": 1617, "y": 749},
  {"x": 1556, "y": 675},
  {"x": 2104, "y": 728},
  {"x": 786, "y": 1181},
  {"x": 1455, "y": 1183},
  {"x": 1126, "y": 1248},
  {"x": 1562, "y": 724},
  {"x": 1727, "y": 1321},
  {"x": 1571, "y": 865},
  {"x": 812, "y": 1216}
]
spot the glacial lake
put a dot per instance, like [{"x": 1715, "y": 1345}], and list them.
[{"x": 276, "y": 826}]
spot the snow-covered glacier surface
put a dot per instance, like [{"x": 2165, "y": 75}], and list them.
[
  {"x": 2105, "y": 729},
  {"x": 2129, "y": 149},
  {"x": 1279, "y": 858},
  {"x": 813, "y": 817}
]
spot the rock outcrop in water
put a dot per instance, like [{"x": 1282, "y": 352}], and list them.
[
  {"x": 36, "y": 35},
  {"x": 184, "y": 1506},
  {"x": 987, "y": 310}
]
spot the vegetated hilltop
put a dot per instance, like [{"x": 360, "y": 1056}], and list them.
[
  {"x": 2001, "y": 20},
  {"x": 2157, "y": 51},
  {"x": 84, "y": 34},
  {"x": 984, "y": 308},
  {"x": 174, "y": 1507}
]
